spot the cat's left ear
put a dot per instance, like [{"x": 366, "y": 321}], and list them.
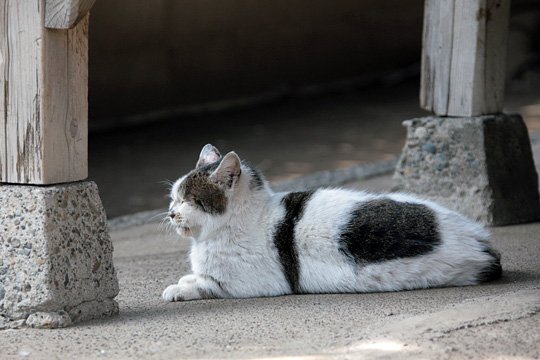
[
  {"x": 209, "y": 155},
  {"x": 228, "y": 171}
]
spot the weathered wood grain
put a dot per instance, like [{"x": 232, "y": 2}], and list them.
[
  {"x": 436, "y": 56},
  {"x": 464, "y": 56},
  {"x": 21, "y": 136},
  {"x": 43, "y": 97},
  {"x": 65, "y": 14}
]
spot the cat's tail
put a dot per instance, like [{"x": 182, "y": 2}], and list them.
[{"x": 493, "y": 270}]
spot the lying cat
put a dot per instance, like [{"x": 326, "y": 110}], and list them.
[{"x": 248, "y": 241}]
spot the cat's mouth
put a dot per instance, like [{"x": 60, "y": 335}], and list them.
[
  {"x": 180, "y": 226},
  {"x": 184, "y": 230}
]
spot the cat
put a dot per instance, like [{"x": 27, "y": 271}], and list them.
[{"x": 248, "y": 241}]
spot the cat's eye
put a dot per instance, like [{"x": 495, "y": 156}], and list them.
[{"x": 199, "y": 203}]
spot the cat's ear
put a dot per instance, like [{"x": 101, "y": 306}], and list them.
[
  {"x": 228, "y": 171},
  {"x": 209, "y": 155}
]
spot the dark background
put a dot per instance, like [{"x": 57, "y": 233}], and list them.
[
  {"x": 161, "y": 53},
  {"x": 293, "y": 86}
]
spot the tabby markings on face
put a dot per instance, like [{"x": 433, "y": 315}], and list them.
[{"x": 199, "y": 189}]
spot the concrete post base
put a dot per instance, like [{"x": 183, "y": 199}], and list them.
[
  {"x": 480, "y": 166},
  {"x": 55, "y": 255}
]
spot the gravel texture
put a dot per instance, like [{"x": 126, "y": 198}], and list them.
[{"x": 56, "y": 253}]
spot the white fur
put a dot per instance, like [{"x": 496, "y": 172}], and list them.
[{"x": 233, "y": 254}]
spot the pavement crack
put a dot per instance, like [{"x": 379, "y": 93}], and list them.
[{"x": 477, "y": 312}]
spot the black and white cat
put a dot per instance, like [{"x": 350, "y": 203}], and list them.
[{"x": 248, "y": 241}]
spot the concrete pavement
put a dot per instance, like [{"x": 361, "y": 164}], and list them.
[{"x": 494, "y": 320}]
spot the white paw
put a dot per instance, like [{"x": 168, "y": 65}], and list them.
[
  {"x": 181, "y": 292},
  {"x": 173, "y": 293}
]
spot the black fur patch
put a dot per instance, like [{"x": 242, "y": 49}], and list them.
[
  {"x": 203, "y": 192},
  {"x": 385, "y": 229},
  {"x": 494, "y": 270},
  {"x": 294, "y": 204}
]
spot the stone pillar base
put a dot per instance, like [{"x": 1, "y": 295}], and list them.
[
  {"x": 480, "y": 166},
  {"x": 55, "y": 255}
]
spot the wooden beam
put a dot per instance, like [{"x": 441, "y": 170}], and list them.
[
  {"x": 65, "y": 14},
  {"x": 43, "y": 97},
  {"x": 464, "y": 56}
]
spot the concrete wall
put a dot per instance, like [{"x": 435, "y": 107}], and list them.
[{"x": 145, "y": 55}]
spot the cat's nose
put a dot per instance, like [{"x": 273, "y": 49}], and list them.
[{"x": 172, "y": 215}]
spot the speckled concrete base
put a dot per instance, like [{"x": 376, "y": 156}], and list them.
[
  {"x": 55, "y": 254},
  {"x": 481, "y": 166}
]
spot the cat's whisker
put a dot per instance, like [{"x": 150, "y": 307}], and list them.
[
  {"x": 165, "y": 225},
  {"x": 164, "y": 222},
  {"x": 161, "y": 227},
  {"x": 167, "y": 183},
  {"x": 164, "y": 214}
]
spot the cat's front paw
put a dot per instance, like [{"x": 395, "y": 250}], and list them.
[
  {"x": 172, "y": 293},
  {"x": 181, "y": 292}
]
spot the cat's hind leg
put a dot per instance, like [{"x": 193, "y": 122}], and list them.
[{"x": 194, "y": 287}]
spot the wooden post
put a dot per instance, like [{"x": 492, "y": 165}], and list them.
[
  {"x": 479, "y": 160},
  {"x": 464, "y": 56},
  {"x": 43, "y": 91},
  {"x": 66, "y": 273}
]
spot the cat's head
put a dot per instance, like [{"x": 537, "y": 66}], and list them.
[{"x": 205, "y": 196}]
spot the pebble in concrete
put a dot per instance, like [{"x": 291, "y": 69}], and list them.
[
  {"x": 49, "y": 320},
  {"x": 55, "y": 254},
  {"x": 481, "y": 166}
]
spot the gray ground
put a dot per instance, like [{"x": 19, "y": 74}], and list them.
[{"x": 498, "y": 320}]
